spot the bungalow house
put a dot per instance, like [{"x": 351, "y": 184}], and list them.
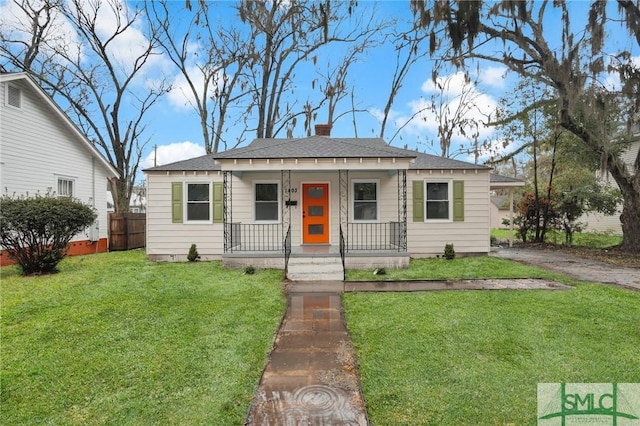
[
  {"x": 41, "y": 151},
  {"x": 317, "y": 204}
]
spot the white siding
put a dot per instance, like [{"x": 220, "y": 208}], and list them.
[
  {"x": 36, "y": 148},
  {"x": 597, "y": 222},
  {"x": 171, "y": 241},
  {"x": 468, "y": 236}
]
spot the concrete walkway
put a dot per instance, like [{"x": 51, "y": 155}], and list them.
[
  {"x": 311, "y": 377},
  {"x": 575, "y": 267}
]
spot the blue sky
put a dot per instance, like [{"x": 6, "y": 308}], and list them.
[{"x": 174, "y": 129}]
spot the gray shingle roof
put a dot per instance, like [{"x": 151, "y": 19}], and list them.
[
  {"x": 428, "y": 161},
  {"x": 496, "y": 178},
  {"x": 316, "y": 147},
  {"x": 202, "y": 163},
  {"x": 319, "y": 147}
]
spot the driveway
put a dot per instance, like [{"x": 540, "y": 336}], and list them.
[{"x": 573, "y": 266}]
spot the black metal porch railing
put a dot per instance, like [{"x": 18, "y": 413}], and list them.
[
  {"x": 257, "y": 237},
  {"x": 342, "y": 253},
  {"x": 385, "y": 236},
  {"x": 287, "y": 248}
]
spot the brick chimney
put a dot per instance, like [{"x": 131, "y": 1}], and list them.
[{"x": 323, "y": 129}]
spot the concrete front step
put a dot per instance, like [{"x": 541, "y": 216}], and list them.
[{"x": 315, "y": 269}]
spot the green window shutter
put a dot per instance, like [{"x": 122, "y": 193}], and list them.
[
  {"x": 176, "y": 202},
  {"x": 458, "y": 200},
  {"x": 418, "y": 201},
  {"x": 218, "y": 199}
]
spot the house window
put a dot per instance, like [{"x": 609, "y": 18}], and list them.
[
  {"x": 65, "y": 187},
  {"x": 266, "y": 201},
  {"x": 14, "y": 96},
  {"x": 198, "y": 202},
  {"x": 437, "y": 199},
  {"x": 365, "y": 200}
]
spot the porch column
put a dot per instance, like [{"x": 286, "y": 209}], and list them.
[
  {"x": 226, "y": 212},
  {"x": 344, "y": 204},
  {"x": 285, "y": 180},
  {"x": 402, "y": 209}
]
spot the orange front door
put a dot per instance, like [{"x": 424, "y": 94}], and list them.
[{"x": 315, "y": 213}]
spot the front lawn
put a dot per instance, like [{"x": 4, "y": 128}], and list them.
[
  {"x": 476, "y": 357},
  {"x": 115, "y": 339},
  {"x": 458, "y": 268}
]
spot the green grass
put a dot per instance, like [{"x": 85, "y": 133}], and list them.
[
  {"x": 581, "y": 239},
  {"x": 458, "y": 268},
  {"x": 476, "y": 357},
  {"x": 115, "y": 339}
]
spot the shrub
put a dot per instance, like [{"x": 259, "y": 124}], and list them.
[
  {"x": 36, "y": 231},
  {"x": 449, "y": 252},
  {"x": 193, "y": 255}
]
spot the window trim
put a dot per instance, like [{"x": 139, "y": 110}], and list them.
[
  {"x": 68, "y": 179},
  {"x": 186, "y": 202},
  {"x": 6, "y": 100},
  {"x": 353, "y": 200},
  {"x": 449, "y": 183},
  {"x": 253, "y": 200}
]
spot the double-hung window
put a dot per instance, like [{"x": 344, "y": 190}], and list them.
[
  {"x": 198, "y": 202},
  {"x": 266, "y": 202},
  {"x": 438, "y": 197},
  {"x": 65, "y": 187},
  {"x": 365, "y": 200}
]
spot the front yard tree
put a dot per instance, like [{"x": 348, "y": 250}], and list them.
[
  {"x": 571, "y": 63},
  {"x": 93, "y": 58},
  {"x": 36, "y": 231}
]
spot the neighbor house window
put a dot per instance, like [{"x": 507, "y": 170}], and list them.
[
  {"x": 65, "y": 187},
  {"x": 266, "y": 201},
  {"x": 14, "y": 96},
  {"x": 437, "y": 198},
  {"x": 365, "y": 200},
  {"x": 198, "y": 202}
]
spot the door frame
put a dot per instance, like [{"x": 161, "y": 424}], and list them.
[{"x": 311, "y": 182}]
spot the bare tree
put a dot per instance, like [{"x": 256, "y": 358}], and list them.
[
  {"x": 99, "y": 80},
  {"x": 409, "y": 50},
  {"x": 288, "y": 35},
  {"x": 523, "y": 45},
  {"x": 212, "y": 58}
]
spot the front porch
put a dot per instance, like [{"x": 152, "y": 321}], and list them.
[
  {"x": 371, "y": 247},
  {"x": 378, "y": 241}
]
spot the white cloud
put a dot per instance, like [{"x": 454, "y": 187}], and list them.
[
  {"x": 171, "y": 153},
  {"x": 457, "y": 93},
  {"x": 493, "y": 76},
  {"x": 16, "y": 25}
]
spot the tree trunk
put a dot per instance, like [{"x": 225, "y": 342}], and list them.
[{"x": 630, "y": 221}]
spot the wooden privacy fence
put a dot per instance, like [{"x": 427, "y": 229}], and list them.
[{"x": 127, "y": 231}]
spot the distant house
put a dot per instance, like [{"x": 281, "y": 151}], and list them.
[
  {"x": 610, "y": 224},
  {"x": 42, "y": 151},
  {"x": 137, "y": 203},
  {"x": 307, "y": 203}
]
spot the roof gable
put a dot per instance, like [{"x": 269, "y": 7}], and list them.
[{"x": 61, "y": 115}]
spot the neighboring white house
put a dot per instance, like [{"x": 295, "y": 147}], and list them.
[
  {"x": 315, "y": 199},
  {"x": 610, "y": 224},
  {"x": 137, "y": 203},
  {"x": 42, "y": 151}
]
